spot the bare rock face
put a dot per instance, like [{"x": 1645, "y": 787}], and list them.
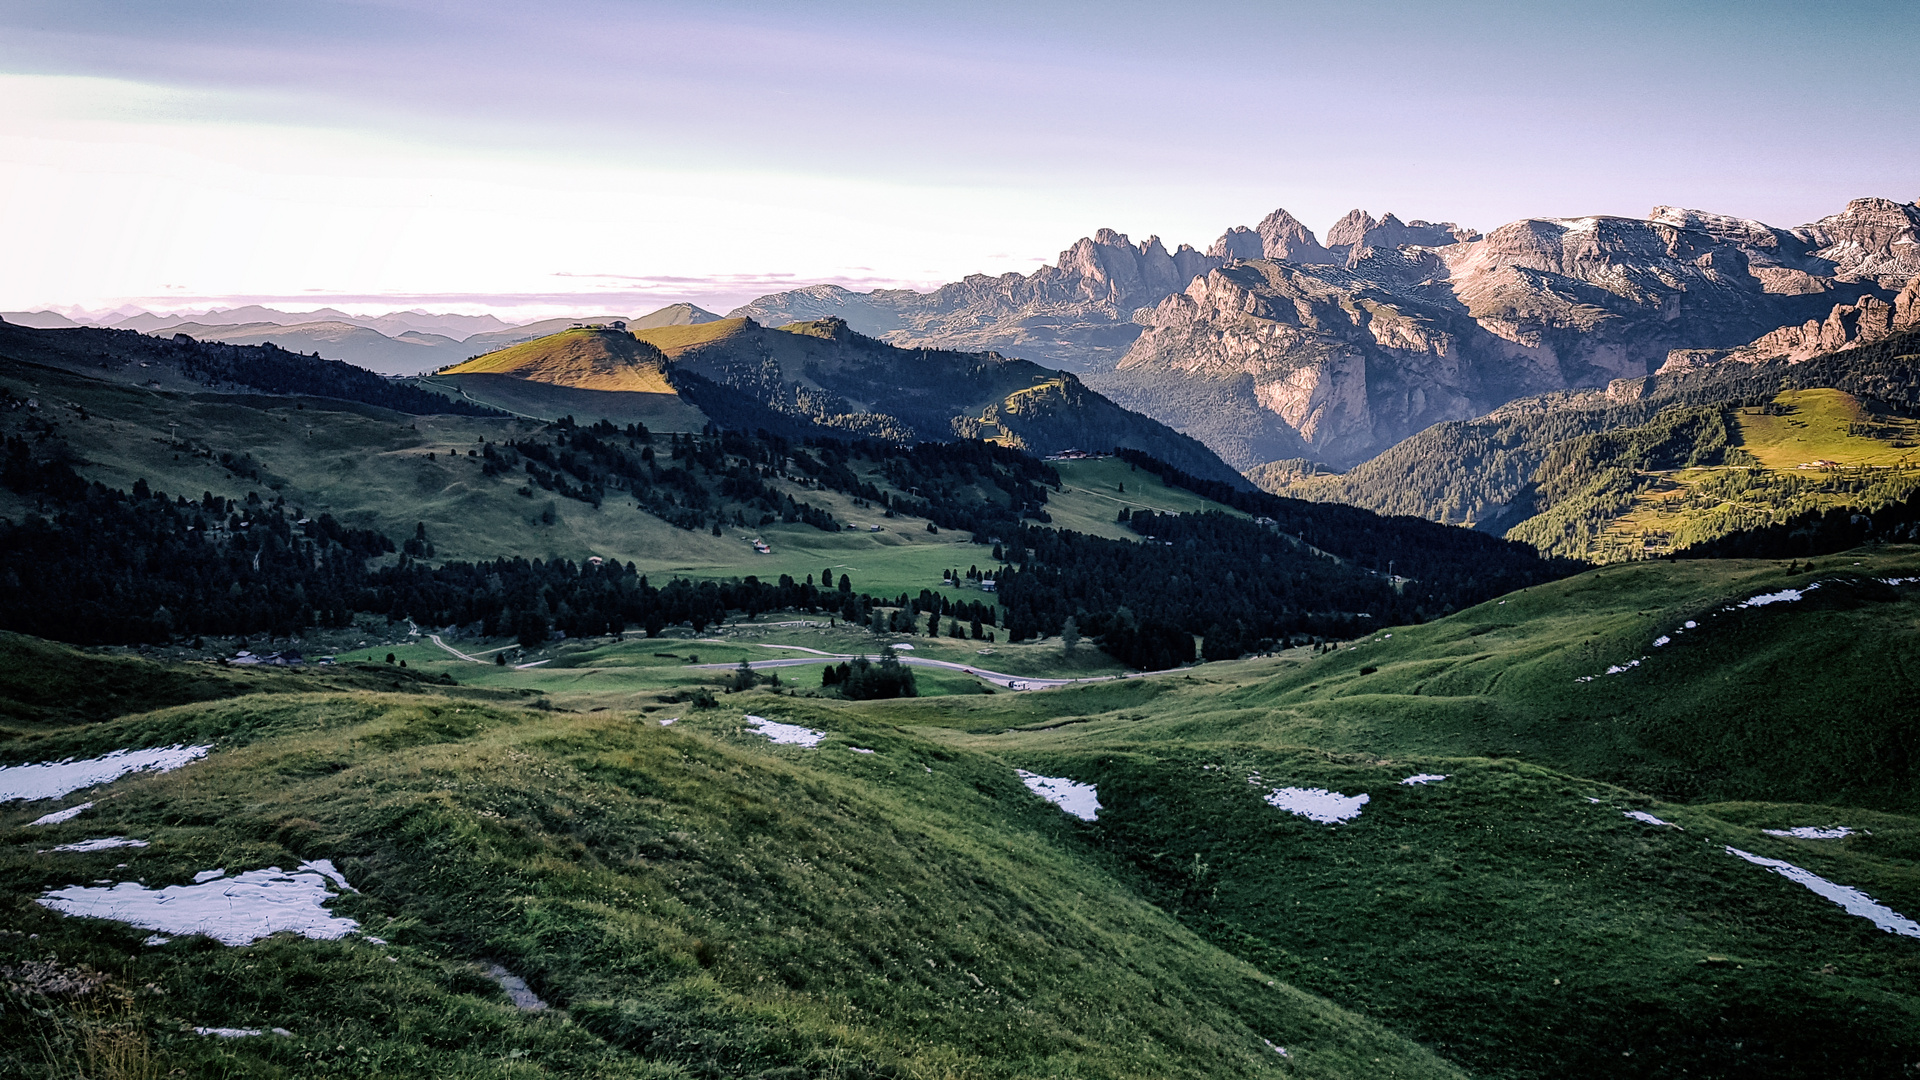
[
  {"x": 1421, "y": 323},
  {"x": 1874, "y": 240},
  {"x": 1847, "y": 326}
]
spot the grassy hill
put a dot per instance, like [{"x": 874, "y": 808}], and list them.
[
  {"x": 584, "y": 358},
  {"x": 693, "y": 900},
  {"x": 594, "y": 374},
  {"x": 371, "y": 468},
  {"x": 820, "y": 378}
]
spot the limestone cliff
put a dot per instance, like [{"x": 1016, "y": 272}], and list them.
[{"x": 1420, "y": 323}]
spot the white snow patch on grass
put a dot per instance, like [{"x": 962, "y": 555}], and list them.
[
  {"x": 1784, "y": 596},
  {"x": 1424, "y": 778},
  {"x": 1080, "y": 800},
  {"x": 859, "y": 749},
  {"x": 1853, "y": 900},
  {"x": 670, "y": 721},
  {"x": 1318, "y": 804},
  {"x": 233, "y": 911},
  {"x": 1642, "y": 815},
  {"x": 59, "y": 816},
  {"x": 52, "y": 779},
  {"x": 229, "y": 1033},
  {"x": 1812, "y": 832},
  {"x": 102, "y": 844},
  {"x": 787, "y": 734},
  {"x": 1661, "y": 640}
]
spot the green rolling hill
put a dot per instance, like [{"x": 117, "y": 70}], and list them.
[{"x": 694, "y": 899}]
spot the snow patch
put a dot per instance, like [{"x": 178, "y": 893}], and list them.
[
  {"x": 233, "y": 911},
  {"x": 1853, "y": 900},
  {"x": 1810, "y": 832},
  {"x": 52, "y": 779},
  {"x": 1642, "y": 815},
  {"x": 1318, "y": 804},
  {"x": 156, "y": 939},
  {"x": 209, "y": 875},
  {"x": 229, "y": 1033},
  {"x": 787, "y": 734},
  {"x": 1080, "y": 800},
  {"x": 859, "y": 749},
  {"x": 670, "y": 721},
  {"x": 1784, "y": 596},
  {"x": 1662, "y": 640},
  {"x": 1424, "y": 778},
  {"x": 59, "y": 816},
  {"x": 102, "y": 844}
]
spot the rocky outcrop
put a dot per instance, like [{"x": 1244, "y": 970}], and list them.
[
  {"x": 1874, "y": 240},
  {"x": 1846, "y": 326},
  {"x": 1357, "y": 233},
  {"x": 1421, "y": 323}
]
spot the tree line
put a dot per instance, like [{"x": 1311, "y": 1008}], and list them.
[{"x": 1241, "y": 585}]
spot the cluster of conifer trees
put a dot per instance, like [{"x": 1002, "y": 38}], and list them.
[{"x": 1242, "y": 585}]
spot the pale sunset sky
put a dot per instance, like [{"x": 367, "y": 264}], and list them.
[{"x": 576, "y": 157}]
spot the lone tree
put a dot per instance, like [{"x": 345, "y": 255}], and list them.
[{"x": 1069, "y": 636}]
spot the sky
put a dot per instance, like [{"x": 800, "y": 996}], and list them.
[{"x": 602, "y": 157}]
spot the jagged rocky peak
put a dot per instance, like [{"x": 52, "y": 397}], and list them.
[
  {"x": 1109, "y": 266},
  {"x": 1279, "y": 235},
  {"x": 1358, "y": 231},
  {"x": 1349, "y": 230}
]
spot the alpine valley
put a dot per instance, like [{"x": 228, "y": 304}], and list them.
[{"x": 1413, "y": 652}]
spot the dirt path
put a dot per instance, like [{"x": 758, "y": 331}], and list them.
[{"x": 998, "y": 678}]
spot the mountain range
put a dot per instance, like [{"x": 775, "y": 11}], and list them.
[
  {"x": 1272, "y": 344},
  {"x": 400, "y": 342}
]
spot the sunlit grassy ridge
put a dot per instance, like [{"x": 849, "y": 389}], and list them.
[{"x": 584, "y": 359}]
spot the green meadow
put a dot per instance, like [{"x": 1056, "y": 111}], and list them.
[{"x": 693, "y": 899}]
